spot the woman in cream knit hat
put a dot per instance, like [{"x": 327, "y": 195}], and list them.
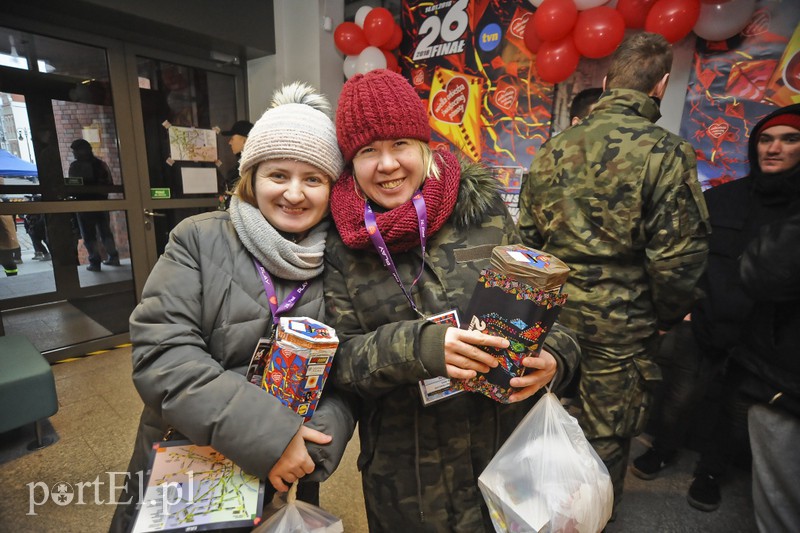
[{"x": 222, "y": 283}]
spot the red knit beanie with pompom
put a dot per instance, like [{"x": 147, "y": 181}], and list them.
[{"x": 377, "y": 106}]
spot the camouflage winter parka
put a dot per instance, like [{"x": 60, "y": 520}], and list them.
[
  {"x": 421, "y": 464},
  {"x": 617, "y": 198}
]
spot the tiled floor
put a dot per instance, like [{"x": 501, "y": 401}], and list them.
[{"x": 96, "y": 423}]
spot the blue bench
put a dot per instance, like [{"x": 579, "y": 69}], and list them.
[{"x": 27, "y": 387}]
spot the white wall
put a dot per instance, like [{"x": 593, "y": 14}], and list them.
[
  {"x": 304, "y": 52},
  {"x": 675, "y": 96}
]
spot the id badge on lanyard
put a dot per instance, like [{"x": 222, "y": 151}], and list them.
[
  {"x": 258, "y": 361},
  {"x": 433, "y": 389}
]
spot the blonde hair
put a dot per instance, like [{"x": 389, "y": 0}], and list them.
[
  {"x": 429, "y": 165},
  {"x": 246, "y": 188}
]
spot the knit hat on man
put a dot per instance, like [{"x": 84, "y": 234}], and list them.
[
  {"x": 785, "y": 119},
  {"x": 377, "y": 106},
  {"x": 296, "y": 127}
]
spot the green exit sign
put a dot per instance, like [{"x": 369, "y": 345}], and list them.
[{"x": 159, "y": 194}]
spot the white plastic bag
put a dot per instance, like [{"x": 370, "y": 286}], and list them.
[
  {"x": 546, "y": 477},
  {"x": 300, "y": 517}
]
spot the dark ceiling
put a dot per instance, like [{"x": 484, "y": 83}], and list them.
[{"x": 244, "y": 28}]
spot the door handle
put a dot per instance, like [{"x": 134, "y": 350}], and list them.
[{"x": 153, "y": 213}]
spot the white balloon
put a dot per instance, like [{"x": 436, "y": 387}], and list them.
[
  {"x": 718, "y": 22},
  {"x": 370, "y": 58},
  {"x": 350, "y": 66},
  {"x": 588, "y": 4},
  {"x": 361, "y": 14},
  {"x": 536, "y": 3}
]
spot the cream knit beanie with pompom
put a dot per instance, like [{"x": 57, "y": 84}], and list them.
[{"x": 296, "y": 127}]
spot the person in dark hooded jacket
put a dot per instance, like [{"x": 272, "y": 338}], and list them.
[
  {"x": 727, "y": 319},
  {"x": 420, "y": 464},
  {"x": 770, "y": 348}
]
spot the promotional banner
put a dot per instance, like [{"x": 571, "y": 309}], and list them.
[
  {"x": 469, "y": 64},
  {"x": 737, "y": 82}
]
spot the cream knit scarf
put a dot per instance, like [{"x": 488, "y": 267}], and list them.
[{"x": 280, "y": 256}]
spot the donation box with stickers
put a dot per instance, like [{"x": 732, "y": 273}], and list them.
[
  {"x": 299, "y": 362},
  {"x": 518, "y": 298}
]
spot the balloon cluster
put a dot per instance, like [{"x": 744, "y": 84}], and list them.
[
  {"x": 368, "y": 42},
  {"x": 713, "y": 20},
  {"x": 564, "y": 30}
]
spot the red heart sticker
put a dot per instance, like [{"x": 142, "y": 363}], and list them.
[
  {"x": 517, "y": 27},
  {"x": 506, "y": 98},
  {"x": 717, "y": 129},
  {"x": 450, "y": 104}
]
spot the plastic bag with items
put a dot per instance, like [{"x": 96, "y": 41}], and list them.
[
  {"x": 297, "y": 516},
  {"x": 546, "y": 477}
]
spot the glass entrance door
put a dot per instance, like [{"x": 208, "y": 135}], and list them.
[
  {"x": 89, "y": 189},
  {"x": 184, "y": 107}
]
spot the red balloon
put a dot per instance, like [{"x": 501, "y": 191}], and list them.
[
  {"x": 391, "y": 61},
  {"x": 598, "y": 31},
  {"x": 349, "y": 38},
  {"x": 395, "y": 40},
  {"x": 554, "y": 19},
  {"x": 557, "y": 60},
  {"x": 673, "y": 19},
  {"x": 634, "y": 12},
  {"x": 531, "y": 39},
  {"x": 378, "y": 26}
]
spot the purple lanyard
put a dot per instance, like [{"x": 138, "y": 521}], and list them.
[
  {"x": 272, "y": 298},
  {"x": 383, "y": 251}
]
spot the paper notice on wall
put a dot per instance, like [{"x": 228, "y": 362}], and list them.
[{"x": 199, "y": 180}]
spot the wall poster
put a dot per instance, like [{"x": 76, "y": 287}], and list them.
[
  {"x": 737, "y": 82},
  {"x": 469, "y": 64}
]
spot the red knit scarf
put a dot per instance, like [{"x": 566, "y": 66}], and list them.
[{"x": 398, "y": 226}]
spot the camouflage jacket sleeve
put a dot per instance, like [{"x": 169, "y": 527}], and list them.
[
  {"x": 677, "y": 227},
  {"x": 527, "y": 225},
  {"x": 372, "y": 363},
  {"x": 563, "y": 345}
]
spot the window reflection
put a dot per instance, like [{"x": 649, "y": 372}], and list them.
[
  {"x": 190, "y": 99},
  {"x": 46, "y": 55},
  {"x": 27, "y": 251}
]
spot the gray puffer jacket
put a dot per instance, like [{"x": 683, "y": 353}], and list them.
[{"x": 202, "y": 312}]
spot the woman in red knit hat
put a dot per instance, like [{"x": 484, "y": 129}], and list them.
[{"x": 407, "y": 219}]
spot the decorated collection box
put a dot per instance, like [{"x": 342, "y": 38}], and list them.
[
  {"x": 518, "y": 298},
  {"x": 299, "y": 362}
]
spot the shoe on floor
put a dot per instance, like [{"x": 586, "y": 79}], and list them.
[
  {"x": 38, "y": 256},
  {"x": 112, "y": 261},
  {"x": 704, "y": 493},
  {"x": 47, "y": 257},
  {"x": 93, "y": 267},
  {"x": 650, "y": 463}
]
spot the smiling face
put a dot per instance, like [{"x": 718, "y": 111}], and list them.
[
  {"x": 292, "y": 196},
  {"x": 778, "y": 149},
  {"x": 389, "y": 172}
]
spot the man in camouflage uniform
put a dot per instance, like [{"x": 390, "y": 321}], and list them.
[{"x": 617, "y": 198}]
